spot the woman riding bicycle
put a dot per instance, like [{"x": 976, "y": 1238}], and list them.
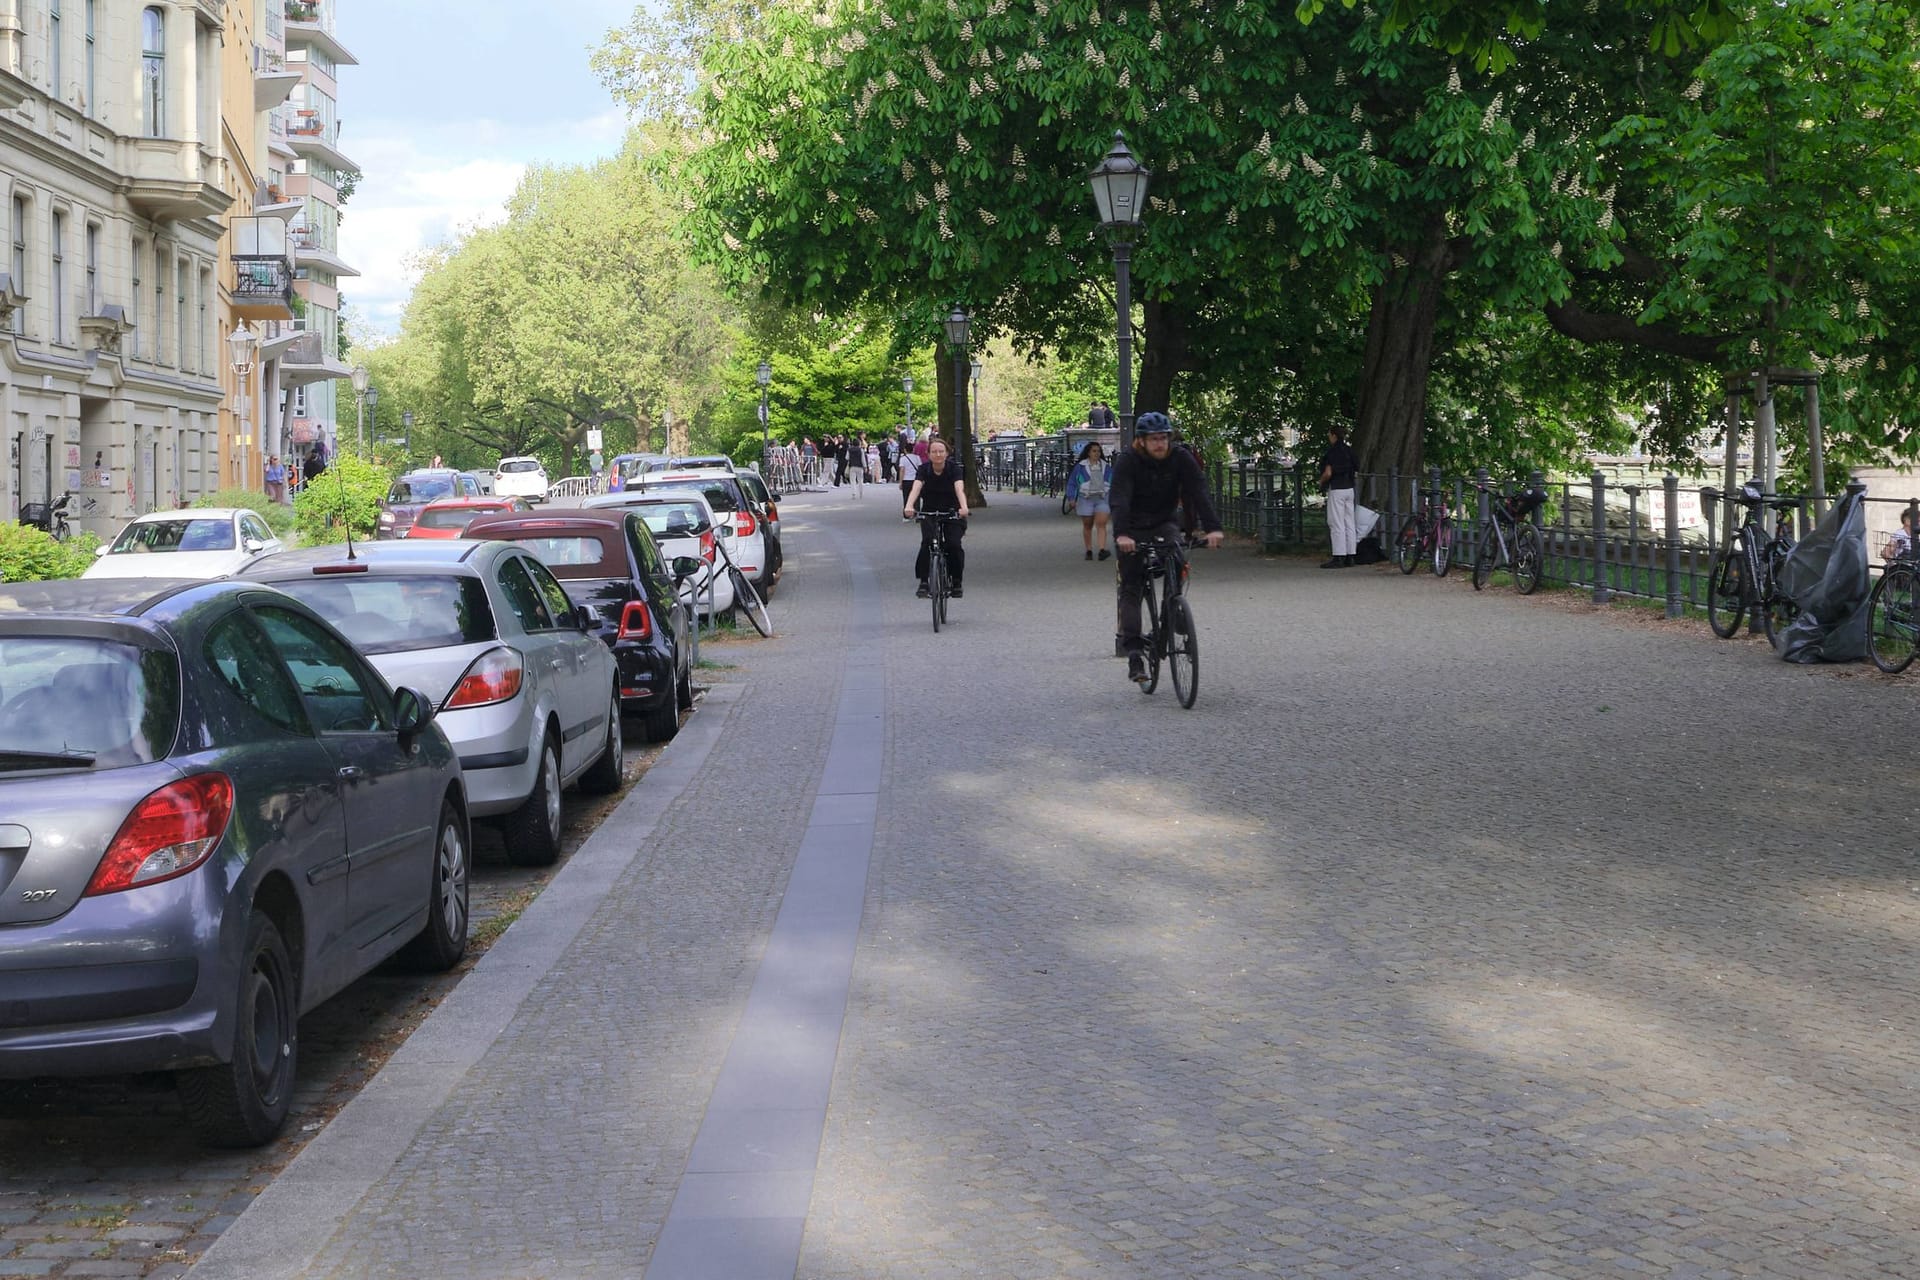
[
  {"x": 1149, "y": 480},
  {"x": 938, "y": 487}
]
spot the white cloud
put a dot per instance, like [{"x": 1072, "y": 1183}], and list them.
[{"x": 422, "y": 187}]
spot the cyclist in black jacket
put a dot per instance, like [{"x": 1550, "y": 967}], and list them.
[{"x": 1149, "y": 480}]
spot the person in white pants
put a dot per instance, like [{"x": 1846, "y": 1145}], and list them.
[{"x": 1338, "y": 467}]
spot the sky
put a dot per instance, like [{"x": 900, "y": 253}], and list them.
[{"x": 451, "y": 102}]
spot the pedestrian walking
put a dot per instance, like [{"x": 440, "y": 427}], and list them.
[
  {"x": 938, "y": 488},
  {"x": 1087, "y": 487},
  {"x": 853, "y": 463},
  {"x": 1338, "y": 466},
  {"x": 886, "y": 458},
  {"x": 910, "y": 466},
  {"x": 315, "y": 465},
  {"x": 275, "y": 475}
]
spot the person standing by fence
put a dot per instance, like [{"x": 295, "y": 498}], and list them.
[{"x": 1338, "y": 466}]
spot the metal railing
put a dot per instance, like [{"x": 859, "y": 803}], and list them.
[{"x": 576, "y": 487}]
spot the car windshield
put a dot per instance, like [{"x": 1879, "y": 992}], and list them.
[
  {"x": 401, "y": 613},
  {"x": 145, "y": 536},
  {"x": 514, "y": 466},
  {"x": 85, "y": 702},
  {"x": 683, "y": 518},
  {"x": 451, "y": 517},
  {"x": 575, "y": 555},
  {"x": 422, "y": 488}
]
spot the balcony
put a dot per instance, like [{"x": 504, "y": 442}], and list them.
[
  {"x": 309, "y": 27},
  {"x": 174, "y": 179},
  {"x": 273, "y": 80},
  {"x": 263, "y": 275},
  {"x": 316, "y": 139},
  {"x": 307, "y": 360}
]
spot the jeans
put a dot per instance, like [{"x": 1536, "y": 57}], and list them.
[{"x": 1132, "y": 572}]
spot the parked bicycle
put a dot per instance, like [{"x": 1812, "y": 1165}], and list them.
[
  {"x": 939, "y": 585},
  {"x": 1746, "y": 572},
  {"x": 1170, "y": 634},
  {"x": 49, "y": 518},
  {"x": 1427, "y": 535},
  {"x": 1893, "y": 615},
  {"x": 745, "y": 599},
  {"x": 1510, "y": 539}
]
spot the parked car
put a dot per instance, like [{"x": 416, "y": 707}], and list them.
[
  {"x": 482, "y": 482},
  {"x": 608, "y": 563},
  {"x": 740, "y": 529},
  {"x": 449, "y": 517},
  {"x": 629, "y": 465},
  {"x": 525, "y": 692},
  {"x": 698, "y": 461},
  {"x": 214, "y": 814},
  {"x": 197, "y": 542},
  {"x": 682, "y": 524},
  {"x": 415, "y": 490},
  {"x": 766, "y": 505},
  {"x": 521, "y": 478}
]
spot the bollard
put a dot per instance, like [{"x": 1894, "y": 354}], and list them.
[
  {"x": 1633, "y": 540},
  {"x": 1600, "y": 594},
  {"x": 1672, "y": 486}
]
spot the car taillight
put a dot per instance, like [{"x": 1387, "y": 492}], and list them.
[
  {"x": 168, "y": 834},
  {"x": 743, "y": 525},
  {"x": 707, "y": 545},
  {"x": 636, "y": 621},
  {"x": 495, "y": 676}
]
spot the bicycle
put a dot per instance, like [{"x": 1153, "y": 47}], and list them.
[
  {"x": 1527, "y": 555},
  {"x": 939, "y": 585},
  {"x": 49, "y": 518},
  {"x": 1170, "y": 633},
  {"x": 1893, "y": 615},
  {"x": 745, "y": 598},
  {"x": 1746, "y": 572},
  {"x": 1426, "y": 535}
]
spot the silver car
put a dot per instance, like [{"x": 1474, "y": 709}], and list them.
[
  {"x": 213, "y": 816},
  {"x": 524, "y": 689}
]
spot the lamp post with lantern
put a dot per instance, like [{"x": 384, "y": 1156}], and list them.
[
  {"x": 958, "y": 328},
  {"x": 975, "y": 397},
  {"x": 763, "y": 375},
  {"x": 1119, "y": 193},
  {"x": 406, "y": 434},
  {"x": 242, "y": 344},
  {"x": 360, "y": 378},
  {"x": 906, "y": 385},
  {"x": 373, "y": 406}
]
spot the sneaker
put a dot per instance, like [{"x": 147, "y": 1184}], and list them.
[
  {"x": 954, "y": 592},
  {"x": 1137, "y": 668},
  {"x": 1105, "y": 554},
  {"x": 922, "y": 592},
  {"x": 1333, "y": 563}
]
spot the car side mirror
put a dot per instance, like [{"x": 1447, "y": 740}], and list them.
[
  {"x": 685, "y": 567},
  {"x": 252, "y": 546},
  {"x": 102, "y": 549},
  {"x": 411, "y": 711},
  {"x": 583, "y": 617}
]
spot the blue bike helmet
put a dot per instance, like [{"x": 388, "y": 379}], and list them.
[{"x": 1152, "y": 424}]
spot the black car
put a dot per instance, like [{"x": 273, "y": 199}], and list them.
[{"x": 607, "y": 560}]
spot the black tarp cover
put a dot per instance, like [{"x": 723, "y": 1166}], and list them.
[{"x": 1826, "y": 578}]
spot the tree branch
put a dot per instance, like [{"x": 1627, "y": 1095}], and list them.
[{"x": 1582, "y": 325}]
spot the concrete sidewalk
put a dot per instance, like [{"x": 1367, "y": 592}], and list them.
[{"x": 1450, "y": 934}]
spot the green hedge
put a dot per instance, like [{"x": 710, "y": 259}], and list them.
[
  {"x": 278, "y": 515},
  {"x": 347, "y": 493},
  {"x": 28, "y": 555}
]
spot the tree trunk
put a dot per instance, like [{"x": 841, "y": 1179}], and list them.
[
  {"x": 1162, "y": 353},
  {"x": 1392, "y": 412},
  {"x": 959, "y": 434}
]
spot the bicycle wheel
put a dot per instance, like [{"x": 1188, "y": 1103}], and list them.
[
  {"x": 1152, "y": 636},
  {"x": 1893, "y": 627},
  {"x": 1183, "y": 651},
  {"x": 1483, "y": 559},
  {"x": 1406, "y": 548},
  {"x": 1442, "y": 547},
  {"x": 748, "y": 601},
  {"x": 937, "y": 589},
  {"x": 1727, "y": 594},
  {"x": 1777, "y": 612},
  {"x": 1528, "y": 559}
]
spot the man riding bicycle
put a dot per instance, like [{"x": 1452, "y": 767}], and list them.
[{"x": 1149, "y": 481}]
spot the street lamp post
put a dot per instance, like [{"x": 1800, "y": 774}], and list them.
[
  {"x": 976, "y": 401},
  {"x": 406, "y": 433},
  {"x": 242, "y": 344},
  {"x": 907, "y": 384},
  {"x": 373, "y": 406},
  {"x": 956, "y": 327},
  {"x": 763, "y": 375},
  {"x": 360, "y": 378},
  {"x": 1119, "y": 191}
]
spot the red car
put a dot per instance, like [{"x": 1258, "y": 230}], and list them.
[{"x": 449, "y": 517}]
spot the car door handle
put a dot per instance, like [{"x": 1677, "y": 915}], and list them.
[{"x": 352, "y": 772}]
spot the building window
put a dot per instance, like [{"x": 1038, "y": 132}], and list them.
[
  {"x": 180, "y": 309},
  {"x": 299, "y": 402},
  {"x": 89, "y": 67},
  {"x": 58, "y": 257},
  {"x": 55, "y": 53},
  {"x": 93, "y": 268},
  {"x": 159, "y": 303},
  {"x": 153, "y": 73},
  {"x": 139, "y": 298},
  {"x": 19, "y": 259},
  {"x": 201, "y": 289}
]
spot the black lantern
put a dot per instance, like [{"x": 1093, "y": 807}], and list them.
[{"x": 1120, "y": 194}]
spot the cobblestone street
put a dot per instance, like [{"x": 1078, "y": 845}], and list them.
[{"x": 1450, "y": 934}]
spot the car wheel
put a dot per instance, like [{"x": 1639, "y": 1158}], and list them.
[
  {"x": 243, "y": 1102},
  {"x": 533, "y": 830},
  {"x": 440, "y": 945},
  {"x": 605, "y": 774},
  {"x": 662, "y": 723}
]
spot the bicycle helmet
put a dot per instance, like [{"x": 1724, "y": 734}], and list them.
[{"x": 1152, "y": 424}]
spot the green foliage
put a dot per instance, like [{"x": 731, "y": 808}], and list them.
[
  {"x": 278, "y": 515},
  {"x": 347, "y": 495},
  {"x": 28, "y": 555},
  {"x": 1488, "y": 30}
]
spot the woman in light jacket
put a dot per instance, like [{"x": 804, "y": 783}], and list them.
[{"x": 1087, "y": 486}]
